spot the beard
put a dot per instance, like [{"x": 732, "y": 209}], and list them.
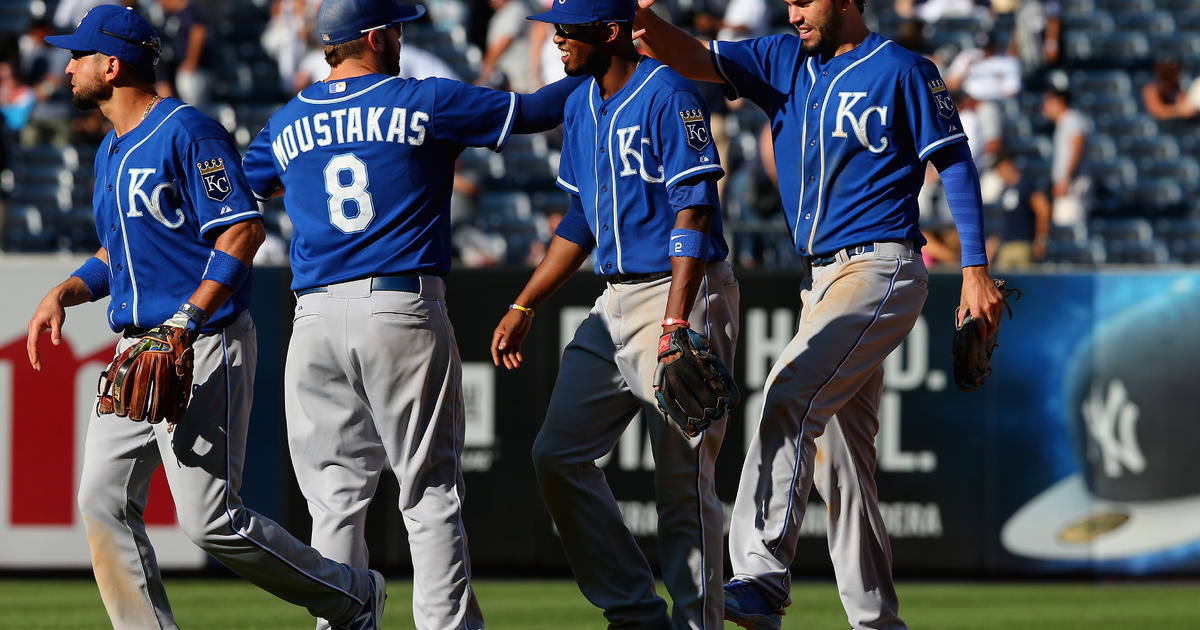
[
  {"x": 825, "y": 45},
  {"x": 392, "y": 62},
  {"x": 89, "y": 98}
]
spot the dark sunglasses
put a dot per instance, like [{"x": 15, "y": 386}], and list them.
[
  {"x": 566, "y": 30},
  {"x": 154, "y": 45}
]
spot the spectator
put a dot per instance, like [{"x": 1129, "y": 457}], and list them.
[
  {"x": 1068, "y": 172},
  {"x": 506, "y": 62},
  {"x": 184, "y": 64},
  {"x": 70, "y": 12},
  {"x": 16, "y": 99},
  {"x": 982, "y": 121},
  {"x": 42, "y": 68},
  {"x": 984, "y": 73},
  {"x": 744, "y": 19},
  {"x": 1026, "y": 226},
  {"x": 1164, "y": 96},
  {"x": 285, "y": 36},
  {"x": 544, "y": 56},
  {"x": 1037, "y": 34}
]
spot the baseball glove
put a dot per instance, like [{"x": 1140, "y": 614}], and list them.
[
  {"x": 693, "y": 388},
  {"x": 152, "y": 379},
  {"x": 972, "y": 351}
]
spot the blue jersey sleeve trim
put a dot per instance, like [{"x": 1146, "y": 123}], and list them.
[
  {"x": 347, "y": 97},
  {"x": 561, "y": 182},
  {"x": 506, "y": 131},
  {"x": 233, "y": 218},
  {"x": 260, "y": 197},
  {"x": 693, "y": 171},
  {"x": 731, "y": 92},
  {"x": 924, "y": 152}
]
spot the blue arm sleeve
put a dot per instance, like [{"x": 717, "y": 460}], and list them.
[
  {"x": 961, "y": 181},
  {"x": 574, "y": 226},
  {"x": 543, "y": 110}
]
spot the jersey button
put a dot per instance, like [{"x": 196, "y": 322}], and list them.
[
  {"x": 120, "y": 267},
  {"x": 606, "y": 228},
  {"x": 825, "y": 73},
  {"x": 110, "y": 186},
  {"x": 807, "y": 216},
  {"x": 113, "y": 228},
  {"x": 122, "y": 305},
  {"x": 604, "y": 188},
  {"x": 602, "y": 149},
  {"x": 608, "y": 265},
  {"x": 812, "y": 143},
  {"x": 811, "y": 179},
  {"x": 815, "y": 104}
]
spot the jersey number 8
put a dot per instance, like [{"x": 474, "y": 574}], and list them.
[{"x": 355, "y": 191}]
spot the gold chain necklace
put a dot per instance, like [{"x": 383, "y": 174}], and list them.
[{"x": 149, "y": 106}]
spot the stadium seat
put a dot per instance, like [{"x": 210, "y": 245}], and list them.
[
  {"x": 1126, "y": 7},
  {"x": 1128, "y": 128},
  {"x": 481, "y": 162},
  {"x": 1158, "y": 196},
  {"x": 1157, "y": 147},
  {"x": 1122, "y": 230},
  {"x": 1128, "y": 253},
  {"x": 1068, "y": 234},
  {"x": 1183, "y": 170},
  {"x": 1094, "y": 22},
  {"x": 504, "y": 209},
  {"x": 1101, "y": 103},
  {"x": 1067, "y": 253},
  {"x": 1077, "y": 7},
  {"x": 1100, "y": 148},
  {"x": 1178, "y": 232},
  {"x": 1187, "y": 253},
  {"x": 1159, "y": 26}
]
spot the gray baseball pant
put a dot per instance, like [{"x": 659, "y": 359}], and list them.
[
  {"x": 202, "y": 459},
  {"x": 605, "y": 378},
  {"x": 856, "y": 312},
  {"x": 374, "y": 380}
]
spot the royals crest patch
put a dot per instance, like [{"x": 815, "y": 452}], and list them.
[
  {"x": 216, "y": 180},
  {"x": 941, "y": 98},
  {"x": 697, "y": 133}
]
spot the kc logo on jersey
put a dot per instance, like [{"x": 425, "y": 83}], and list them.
[
  {"x": 858, "y": 123},
  {"x": 626, "y": 137},
  {"x": 693, "y": 125},
  {"x": 216, "y": 180}
]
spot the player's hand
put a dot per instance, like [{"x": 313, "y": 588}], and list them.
[
  {"x": 506, "y": 341},
  {"x": 981, "y": 298},
  {"x": 1060, "y": 189},
  {"x": 643, "y": 5},
  {"x": 50, "y": 314}
]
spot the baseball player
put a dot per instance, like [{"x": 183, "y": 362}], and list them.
[
  {"x": 854, "y": 119},
  {"x": 178, "y": 228},
  {"x": 373, "y": 375},
  {"x": 641, "y": 170}
]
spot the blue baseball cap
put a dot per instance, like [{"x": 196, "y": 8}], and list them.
[
  {"x": 588, "y": 11},
  {"x": 344, "y": 20},
  {"x": 116, "y": 31}
]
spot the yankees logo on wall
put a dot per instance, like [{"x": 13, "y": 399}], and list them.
[
  {"x": 693, "y": 125},
  {"x": 216, "y": 181}
]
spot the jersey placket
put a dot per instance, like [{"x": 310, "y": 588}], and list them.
[
  {"x": 812, "y": 162},
  {"x": 606, "y": 189}
]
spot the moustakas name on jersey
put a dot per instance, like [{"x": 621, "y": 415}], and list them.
[
  {"x": 378, "y": 153},
  {"x": 162, "y": 190},
  {"x": 859, "y": 124},
  {"x": 632, "y": 156}
]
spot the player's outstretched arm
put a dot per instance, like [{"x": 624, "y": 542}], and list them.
[
  {"x": 563, "y": 258},
  {"x": 51, "y": 311},
  {"x": 671, "y": 45}
]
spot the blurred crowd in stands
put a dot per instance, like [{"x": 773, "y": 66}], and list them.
[{"x": 1085, "y": 134}]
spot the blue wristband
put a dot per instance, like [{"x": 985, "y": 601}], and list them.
[
  {"x": 689, "y": 244},
  {"x": 225, "y": 269},
  {"x": 94, "y": 273}
]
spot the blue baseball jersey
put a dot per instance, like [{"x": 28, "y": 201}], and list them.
[
  {"x": 634, "y": 160},
  {"x": 367, "y": 166},
  {"x": 852, "y": 134},
  {"x": 163, "y": 191}
]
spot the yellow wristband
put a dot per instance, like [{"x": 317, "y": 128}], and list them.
[{"x": 524, "y": 309}]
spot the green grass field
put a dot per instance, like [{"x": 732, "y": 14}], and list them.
[{"x": 557, "y": 605}]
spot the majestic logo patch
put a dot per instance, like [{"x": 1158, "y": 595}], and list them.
[
  {"x": 337, "y": 87},
  {"x": 216, "y": 181},
  {"x": 697, "y": 132}
]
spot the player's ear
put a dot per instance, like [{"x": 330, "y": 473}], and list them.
[{"x": 614, "y": 32}]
